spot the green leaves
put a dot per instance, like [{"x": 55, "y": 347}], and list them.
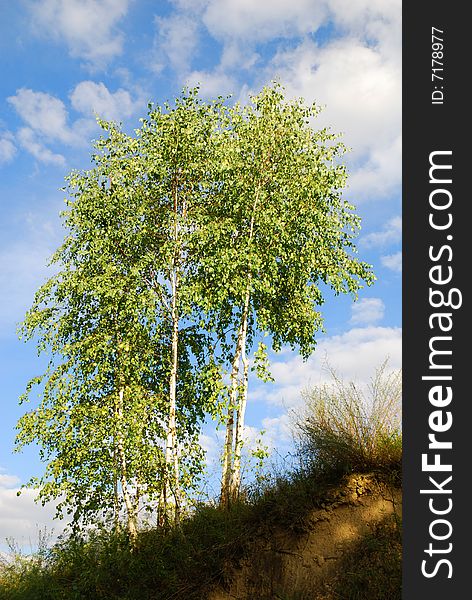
[
  {"x": 187, "y": 242},
  {"x": 261, "y": 363}
]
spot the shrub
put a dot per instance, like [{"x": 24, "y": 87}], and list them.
[{"x": 349, "y": 427}]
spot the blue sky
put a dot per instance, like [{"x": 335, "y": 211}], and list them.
[{"x": 61, "y": 61}]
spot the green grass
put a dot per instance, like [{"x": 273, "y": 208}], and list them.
[
  {"x": 180, "y": 564},
  {"x": 343, "y": 431}
]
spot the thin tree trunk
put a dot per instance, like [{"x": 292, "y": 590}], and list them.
[
  {"x": 241, "y": 409},
  {"x": 235, "y": 479},
  {"x": 137, "y": 498},
  {"x": 116, "y": 501},
  {"x": 232, "y": 457},
  {"x": 228, "y": 447},
  {"x": 131, "y": 521},
  {"x": 229, "y": 455},
  {"x": 172, "y": 458}
]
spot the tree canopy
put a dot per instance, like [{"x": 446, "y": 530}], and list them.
[{"x": 210, "y": 229}]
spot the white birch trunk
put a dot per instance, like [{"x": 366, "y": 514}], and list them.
[
  {"x": 232, "y": 456},
  {"x": 116, "y": 500},
  {"x": 172, "y": 458},
  {"x": 131, "y": 520},
  {"x": 241, "y": 409},
  {"x": 228, "y": 447},
  {"x": 172, "y": 455}
]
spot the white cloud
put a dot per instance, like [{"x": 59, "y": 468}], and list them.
[
  {"x": 354, "y": 355},
  {"x": 21, "y": 518},
  {"x": 367, "y": 311},
  {"x": 393, "y": 261},
  {"x": 279, "y": 431},
  {"x": 7, "y": 147},
  {"x": 235, "y": 54},
  {"x": 222, "y": 80},
  {"x": 262, "y": 20},
  {"x": 176, "y": 42},
  {"x": 360, "y": 89},
  {"x": 23, "y": 268},
  {"x": 47, "y": 117},
  {"x": 8, "y": 481},
  {"x": 89, "y": 97},
  {"x": 44, "y": 113},
  {"x": 195, "y": 6},
  {"x": 212, "y": 83},
  {"x": 88, "y": 27},
  {"x": 361, "y": 15},
  {"x": 356, "y": 74},
  {"x": 211, "y": 446},
  {"x": 252, "y": 437},
  {"x": 391, "y": 233},
  {"x": 379, "y": 176},
  {"x": 259, "y": 21},
  {"x": 29, "y": 141}
]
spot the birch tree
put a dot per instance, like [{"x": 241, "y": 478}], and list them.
[
  {"x": 177, "y": 146},
  {"x": 99, "y": 420},
  {"x": 278, "y": 235},
  {"x": 131, "y": 374},
  {"x": 187, "y": 242}
]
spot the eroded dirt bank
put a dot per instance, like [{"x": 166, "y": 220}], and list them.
[{"x": 308, "y": 564}]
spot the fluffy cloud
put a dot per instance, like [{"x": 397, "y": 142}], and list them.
[
  {"x": 260, "y": 21},
  {"x": 367, "y": 311},
  {"x": 7, "y": 147},
  {"x": 21, "y": 518},
  {"x": 8, "y": 481},
  {"x": 360, "y": 89},
  {"x": 266, "y": 19},
  {"x": 211, "y": 444},
  {"x": 379, "y": 175},
  {"x": 391, "y": 233},
  {"x": 393, "y": 261},
  {"x": 23, "y": 267},
  {"x": 176, "y": 42},
  {"x": 354, "y": 355},
  {"x": 366, "y": 16},
  {"x": 29, "y": 141},
  {"x": 279, "y": 430},
  {"x": 48, "y": 121},
  {"x": 91, "y": 98},
  {"x": 88, "y": 27},
  {"x": 356, "y": 73},
  {"x": 212, "y": 83},
  {"x": 222, "y": 80},
  {"x": 43, "y": 113}
]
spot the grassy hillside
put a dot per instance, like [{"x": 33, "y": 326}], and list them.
[
  {"x": 328, "y": 530},
  {"x": 204, "y": 554}
]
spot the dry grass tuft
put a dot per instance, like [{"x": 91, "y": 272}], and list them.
[{"x": 348, "y": 428}]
